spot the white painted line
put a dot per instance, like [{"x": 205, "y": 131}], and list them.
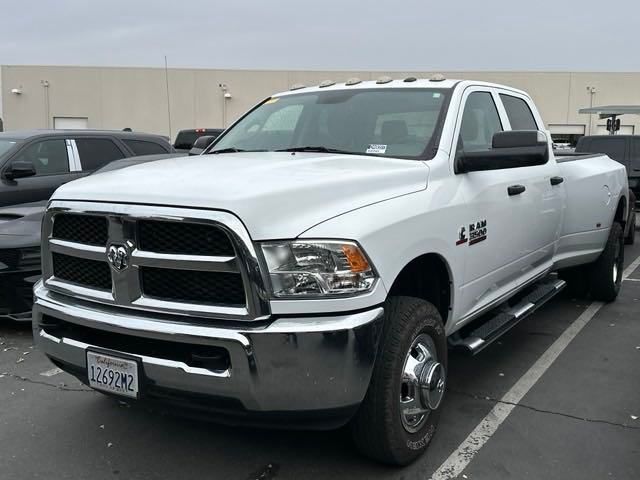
[
  {"x": 632, "y": 279},
  {"x": 51, "y": 373},
  {"x": 462, "y": 456}
]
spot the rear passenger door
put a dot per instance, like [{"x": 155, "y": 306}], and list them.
[
  {"x": 53, "y": 165},
  {"x": 96, "y": 152}
]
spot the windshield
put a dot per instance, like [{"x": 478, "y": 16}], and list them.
[
  {"x": 391, "y": 122},
  {"x": 7, "y": 144}
]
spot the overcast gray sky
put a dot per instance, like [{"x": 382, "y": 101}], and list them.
[{"x": 325, "y": 34}]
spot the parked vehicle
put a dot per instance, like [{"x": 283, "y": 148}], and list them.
[
  {"x": 314, "y": 272},
  {"x": 19, "y": 258},
  {"x": 622, "y": 148},
  {"x": 34, "y": 163},
  {"x": 187, "y": 138}
]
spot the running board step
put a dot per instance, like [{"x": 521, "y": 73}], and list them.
[{"x": 476, "y": 338}]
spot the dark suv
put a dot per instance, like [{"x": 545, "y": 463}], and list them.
[
  {"x": 622, "y": 148},
  {"x": 34, "y": 163}
]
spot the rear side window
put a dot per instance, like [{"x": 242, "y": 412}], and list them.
[
  {"x": 49, "y": 157},
  {"x": 480, "y": 121},
  {"x": 97, "y": 152},
  {"x": 142, "y": 147},
  {"x": 519, "y": 113}
]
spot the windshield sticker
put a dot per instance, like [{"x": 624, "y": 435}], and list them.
[
  {"x": 272, "y": 100},
  {"x": 375, "y": 148},
  {"x": 436, "y": 95}
]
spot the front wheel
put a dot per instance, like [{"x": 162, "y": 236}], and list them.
[
  {"x": 605, "y": 276},
  {"x": 401, "y": 409}
]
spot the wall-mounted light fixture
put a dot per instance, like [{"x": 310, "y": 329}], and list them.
[{"x": 16, "y": 91}]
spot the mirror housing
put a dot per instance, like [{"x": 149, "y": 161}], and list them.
[
  {"x": 201, "y": 144},
  {"x": 510, "y": 149},
  {"x": 20, "y": 169}
]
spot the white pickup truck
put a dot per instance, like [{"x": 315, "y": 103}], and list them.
[{"x": 313, "y": 266}]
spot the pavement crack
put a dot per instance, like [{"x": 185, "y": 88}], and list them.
[
  {"x": 62, "y": 387},
  {"x": 541, "y": 410}
]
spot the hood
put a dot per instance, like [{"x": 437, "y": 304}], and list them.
[
  {"x": 275, "y": 194},
  {"x": 20, "y": 225}
]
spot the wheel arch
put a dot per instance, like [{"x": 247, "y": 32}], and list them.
[
  {"x": 621, "y": 214},
  {"x": 429, "y": 277}
]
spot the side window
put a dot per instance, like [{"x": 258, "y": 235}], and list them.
[
  {"x": 519, "y": 113},
  {"x": 97, "y": 152},
  {"x": 49, "y": 157},
  {"x": 141, "y": 147},
  {"x": 480, "y": 120}
]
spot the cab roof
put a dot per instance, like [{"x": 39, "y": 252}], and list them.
[{"x": 386, "y": 82}]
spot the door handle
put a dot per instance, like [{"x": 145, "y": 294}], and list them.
[
  {"x": 556, "y": 180},
  {"x": 516, "y": 189}
]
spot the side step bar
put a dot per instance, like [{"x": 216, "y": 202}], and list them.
[{"x": 476, "y": 337}]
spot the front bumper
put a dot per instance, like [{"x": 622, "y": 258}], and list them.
[
  {"x": 308, "y": 369},
  {"x": 16, "y": 293}
]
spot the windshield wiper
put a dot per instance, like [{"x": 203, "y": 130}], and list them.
[
  {"x": 233, "y": 150},
  {"x": 319, "y": 149}
]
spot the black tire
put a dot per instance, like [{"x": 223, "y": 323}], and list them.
[
  {"x": 605, "y": 276},
  {"x": 630, "y": 239},
  {"x": 378, "y": 429}
]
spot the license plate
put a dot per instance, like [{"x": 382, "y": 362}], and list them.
[{"x": 113, "y": 374}]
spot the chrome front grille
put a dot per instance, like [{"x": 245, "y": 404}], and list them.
[{"x": 174, "y": 260}]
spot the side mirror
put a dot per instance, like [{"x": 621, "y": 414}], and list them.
[
  {"x": 201, "y": 144},
  {"x": 20, "y": 169},
  {"x": 510, "y": 149}
]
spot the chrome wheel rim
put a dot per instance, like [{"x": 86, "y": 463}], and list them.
[
  {"x": 616, "y": 264},
  {"x": 422, "y": 385}
]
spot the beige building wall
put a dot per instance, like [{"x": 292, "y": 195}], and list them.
[{"x": 115, "y": 98}]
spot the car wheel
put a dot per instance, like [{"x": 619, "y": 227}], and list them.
[
  {"x": 401, "y": 409},
  {"x": 606, "y": 271}
]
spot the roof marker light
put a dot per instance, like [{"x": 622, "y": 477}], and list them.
[
  {"x": 327, "y": 83},
  {"x": 353, "y": 81},
  {"x": 437, "y": 77},
  {"x": 410, "y": 79},
  {"x": 383, "y": 80},
  {"x": 297, "y": 86}
]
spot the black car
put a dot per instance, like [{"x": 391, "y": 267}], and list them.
[
  {"x": 34, "y": 163},
  {"x": 20, "y": 247},
  {"x": 186, "y": 138},
  {"x": 622, "y": 148},
  {"x": 19, "y": 258}
]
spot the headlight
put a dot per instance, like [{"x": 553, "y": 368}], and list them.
[{"x": 317, "y": 268}]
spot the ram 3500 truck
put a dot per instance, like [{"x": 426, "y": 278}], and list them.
[{"x": 313, "y": 266}]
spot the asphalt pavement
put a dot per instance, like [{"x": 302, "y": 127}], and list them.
[{"x": 579, "y": 420}]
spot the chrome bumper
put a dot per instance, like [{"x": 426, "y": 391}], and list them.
[{"x": 291, "y": 365}]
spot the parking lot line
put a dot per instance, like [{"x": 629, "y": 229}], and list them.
[{"x": 455, "y": 464}]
